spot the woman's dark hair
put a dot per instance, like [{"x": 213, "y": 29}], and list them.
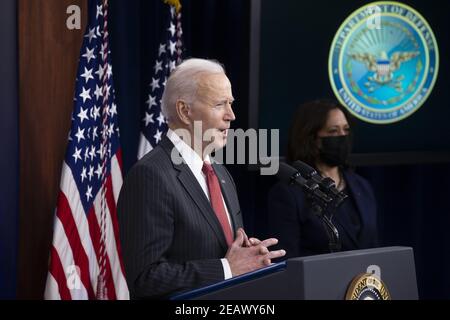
[{"x": 309, "y": 118}]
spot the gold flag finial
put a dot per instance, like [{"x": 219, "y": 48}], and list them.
[{"x": 175, "y": 3}]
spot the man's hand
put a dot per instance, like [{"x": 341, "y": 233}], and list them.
[
  {"x": 248, "y": 242},
  {"x": 248, "y": 254}
]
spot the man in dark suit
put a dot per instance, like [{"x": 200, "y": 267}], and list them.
[{"x": 179, "y": 215}]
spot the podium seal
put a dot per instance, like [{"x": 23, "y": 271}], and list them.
[{"x": 366, "y": 286}]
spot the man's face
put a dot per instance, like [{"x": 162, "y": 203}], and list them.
[{"x": 213, "y": 108}]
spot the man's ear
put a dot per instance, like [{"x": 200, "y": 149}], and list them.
[{"x": 183, "y": 111}]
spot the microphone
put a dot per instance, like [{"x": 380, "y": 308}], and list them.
[
  {"x": 320, "y": 200},
  {"x": 310, "y": 187},
  {"x": 326, "y": 184}
]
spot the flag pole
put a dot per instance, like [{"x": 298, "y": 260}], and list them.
[{"x": 102, "y": 293}]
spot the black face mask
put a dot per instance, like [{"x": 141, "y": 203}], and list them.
[{"x": 335, "y": 150}]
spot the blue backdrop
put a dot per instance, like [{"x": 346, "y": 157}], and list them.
[{"x": 9, "y": 139}]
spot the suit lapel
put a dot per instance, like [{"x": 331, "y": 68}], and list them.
[{"x": 195, "y": 191}]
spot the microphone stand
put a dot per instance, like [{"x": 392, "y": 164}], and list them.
[
  {"x": 319, "y": 209},
  {"x": 320, "y": 203}
]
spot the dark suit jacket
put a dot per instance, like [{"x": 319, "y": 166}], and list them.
[
  {"x": 301, "y": 233},
  {"x": 171, "y": 239}
]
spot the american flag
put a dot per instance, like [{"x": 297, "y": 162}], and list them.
[
  {"x": 85, "y": 257},
  {"x": 153, "y": 124}
]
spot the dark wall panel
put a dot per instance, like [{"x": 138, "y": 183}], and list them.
[
  {"x": 9, "y": 140},
  {"x": 48, "y": 55}
]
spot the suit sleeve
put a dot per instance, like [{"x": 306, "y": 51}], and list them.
[
  {"x": 146, "y": 218},
  {"x": 283, "y": 219}
]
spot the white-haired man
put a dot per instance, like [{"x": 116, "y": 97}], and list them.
[{"x": 180, "y": 221}]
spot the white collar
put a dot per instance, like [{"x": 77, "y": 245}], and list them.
[{"x": 192, "y": 159}]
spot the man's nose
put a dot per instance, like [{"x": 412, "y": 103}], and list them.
[{"x": 229, "y": 115}]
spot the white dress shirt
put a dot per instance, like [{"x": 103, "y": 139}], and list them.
[{"x": 195, "y": 164}]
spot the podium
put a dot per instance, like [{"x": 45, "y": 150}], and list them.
[{"x": 320, "y": 277}]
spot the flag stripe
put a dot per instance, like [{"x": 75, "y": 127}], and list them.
[
  {"x": 94, "y": 229},
  {"x": 144, "y": 146},
  {"x": 51, "y": 287},
  {"x": 116, "y": 169},
  {"x": 113, "y": 250},
  {"x": 112, "y": 239},
  {"x": 80, "y": 258},
  {"x": 58, "y": 273},
  {"x": 110, "y": 183},
  {"x": 64, "y": 252},
  {"x": 70, "y": 190},
  {"x": 118, "y": 157}
]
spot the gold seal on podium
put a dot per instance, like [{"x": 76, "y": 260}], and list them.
[{"x": 366, "y": 286}]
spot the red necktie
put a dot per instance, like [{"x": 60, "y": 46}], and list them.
[{"x": 215, "y": 196}]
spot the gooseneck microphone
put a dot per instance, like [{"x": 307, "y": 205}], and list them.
[
  {"x": 320, "y": 200},
  {"x": 327, "y": 185},
  {"x": 290, "y": 175}
]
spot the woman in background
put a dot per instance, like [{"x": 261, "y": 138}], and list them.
[{"x": 320, "y": 137}]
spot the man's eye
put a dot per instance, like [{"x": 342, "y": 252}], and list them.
[{"x": 223, "y": 104}]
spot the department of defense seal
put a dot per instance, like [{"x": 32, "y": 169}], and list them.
[
  {"x": 366, "y": 286},
  {"x": 383, "y": 62}
]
